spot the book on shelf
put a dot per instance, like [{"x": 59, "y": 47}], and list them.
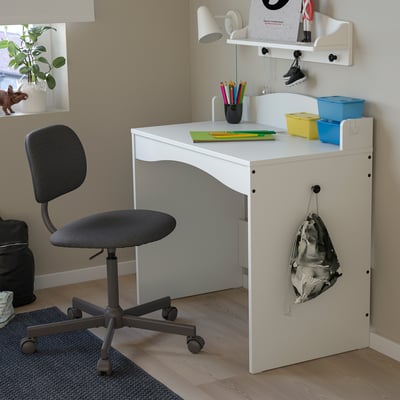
[{"x": 274, "y": 20}]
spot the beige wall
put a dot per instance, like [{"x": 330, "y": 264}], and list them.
[
  {"x": 374, "y": 77},
  {"x": 127, "y": 69}
]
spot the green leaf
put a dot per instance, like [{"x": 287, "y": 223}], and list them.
[
  {"x": 58, "y": 62},
  {"x": 20, "y": 58},
  {"x": 13, "y": 49},
  {"x": 43, "y": 60},
  {"x": 24, "y": 70},
  {"x": 35, "y": 69},
  {"x": 51, "y": 82},
  {"x": 3, "y": 44},
  {"x": 36, "y": 53},
  {"x": 41, "y": 75},
  {"x": 47, "y": 28}
]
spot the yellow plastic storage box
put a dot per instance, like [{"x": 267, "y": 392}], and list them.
[{"x": 302, "y": 124}]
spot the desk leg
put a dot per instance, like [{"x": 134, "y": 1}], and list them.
[{"x": 201, "y": 255}]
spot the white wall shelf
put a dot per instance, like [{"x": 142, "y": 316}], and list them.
[{"x": 332, "y": 44}]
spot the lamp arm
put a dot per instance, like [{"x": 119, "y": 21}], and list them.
[{"x": 233, "y": 21}]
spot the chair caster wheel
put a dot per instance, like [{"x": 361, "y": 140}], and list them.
[
  {"x": 195, "y": 343},
  {"x": 27, "y": 345},
  {"x": 74, "y": 313},
  {"x": 170, "y": 313},
  {"x": 104, "y": 367}
]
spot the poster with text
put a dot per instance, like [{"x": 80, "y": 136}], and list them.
[{"x": 274, "y": 20}]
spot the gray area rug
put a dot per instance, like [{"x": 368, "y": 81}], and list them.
[{"x": 64, "y": 367}]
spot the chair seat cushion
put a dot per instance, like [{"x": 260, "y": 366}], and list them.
[{"x": 115, "y": 229}]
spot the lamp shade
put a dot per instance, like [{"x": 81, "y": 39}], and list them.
[{"x": 207, "y": 27}]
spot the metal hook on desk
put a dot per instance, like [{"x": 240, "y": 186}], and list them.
[{"x": 316, "y": 189}]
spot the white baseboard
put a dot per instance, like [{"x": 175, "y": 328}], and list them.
[
  {"x": 385, "y": 346},
  {"x": 81, "y": 275}
]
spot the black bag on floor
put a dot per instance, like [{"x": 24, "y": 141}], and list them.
[{"x": 17, "y": 266}]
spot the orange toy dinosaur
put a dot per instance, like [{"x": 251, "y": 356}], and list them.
[{"x": 9, "y": 98}]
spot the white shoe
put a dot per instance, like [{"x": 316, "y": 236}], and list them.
[{"x": 6, "y": 308}]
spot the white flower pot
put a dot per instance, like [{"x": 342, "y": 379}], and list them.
[{"x": 37, "y": 98}]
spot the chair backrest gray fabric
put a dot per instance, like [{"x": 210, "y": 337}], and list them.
[{"x": 57, "y": 161}]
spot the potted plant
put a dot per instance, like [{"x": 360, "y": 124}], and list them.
[{"x": 28, "y": 57}]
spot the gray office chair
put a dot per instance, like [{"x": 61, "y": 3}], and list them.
[{"x": 58, "y": 165}]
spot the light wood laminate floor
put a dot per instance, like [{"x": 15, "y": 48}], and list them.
[{"x": 220, "y": 371}]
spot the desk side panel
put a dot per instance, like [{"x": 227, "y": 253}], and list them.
[
  {"x": 356, "y": 134},
  {"x": 282, "y": 333}
]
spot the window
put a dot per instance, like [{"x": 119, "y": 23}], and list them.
[
  {"x": 8, "y": 75},
  {"x": 44, "y": 12},
  {"x": 54, "y": 41}
]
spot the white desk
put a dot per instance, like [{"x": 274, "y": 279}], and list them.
[{"x": 203, "y": 253}]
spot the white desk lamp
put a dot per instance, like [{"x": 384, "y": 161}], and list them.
[{"x": 208, "y": 29}]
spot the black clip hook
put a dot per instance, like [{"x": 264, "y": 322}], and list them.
[
  {"x": 316, "y": 189},
  {"x": 297, "y": 54}
]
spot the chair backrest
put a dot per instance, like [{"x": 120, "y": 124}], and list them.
[{"x": 57, "y": 161}]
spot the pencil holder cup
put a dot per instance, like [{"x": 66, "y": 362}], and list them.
[{"x": 233, "y": 113}]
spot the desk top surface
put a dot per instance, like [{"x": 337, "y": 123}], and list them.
[{"x": 283, "y": 147}]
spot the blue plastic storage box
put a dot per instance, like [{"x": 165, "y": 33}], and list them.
[
  {"x": 329, "y": 131},
  {"x": 338, "y": 108}
]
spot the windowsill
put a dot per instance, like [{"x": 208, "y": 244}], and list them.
[{"x": 21, "y": 114}]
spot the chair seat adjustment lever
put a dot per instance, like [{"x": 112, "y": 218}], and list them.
[{"x": 96, "y": 254}]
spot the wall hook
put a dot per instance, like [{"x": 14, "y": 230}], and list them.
[
  {"x": 332, "y": 57},
  {"x": 316, "y": 189},
  {"x": 297, "y": 54}
]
